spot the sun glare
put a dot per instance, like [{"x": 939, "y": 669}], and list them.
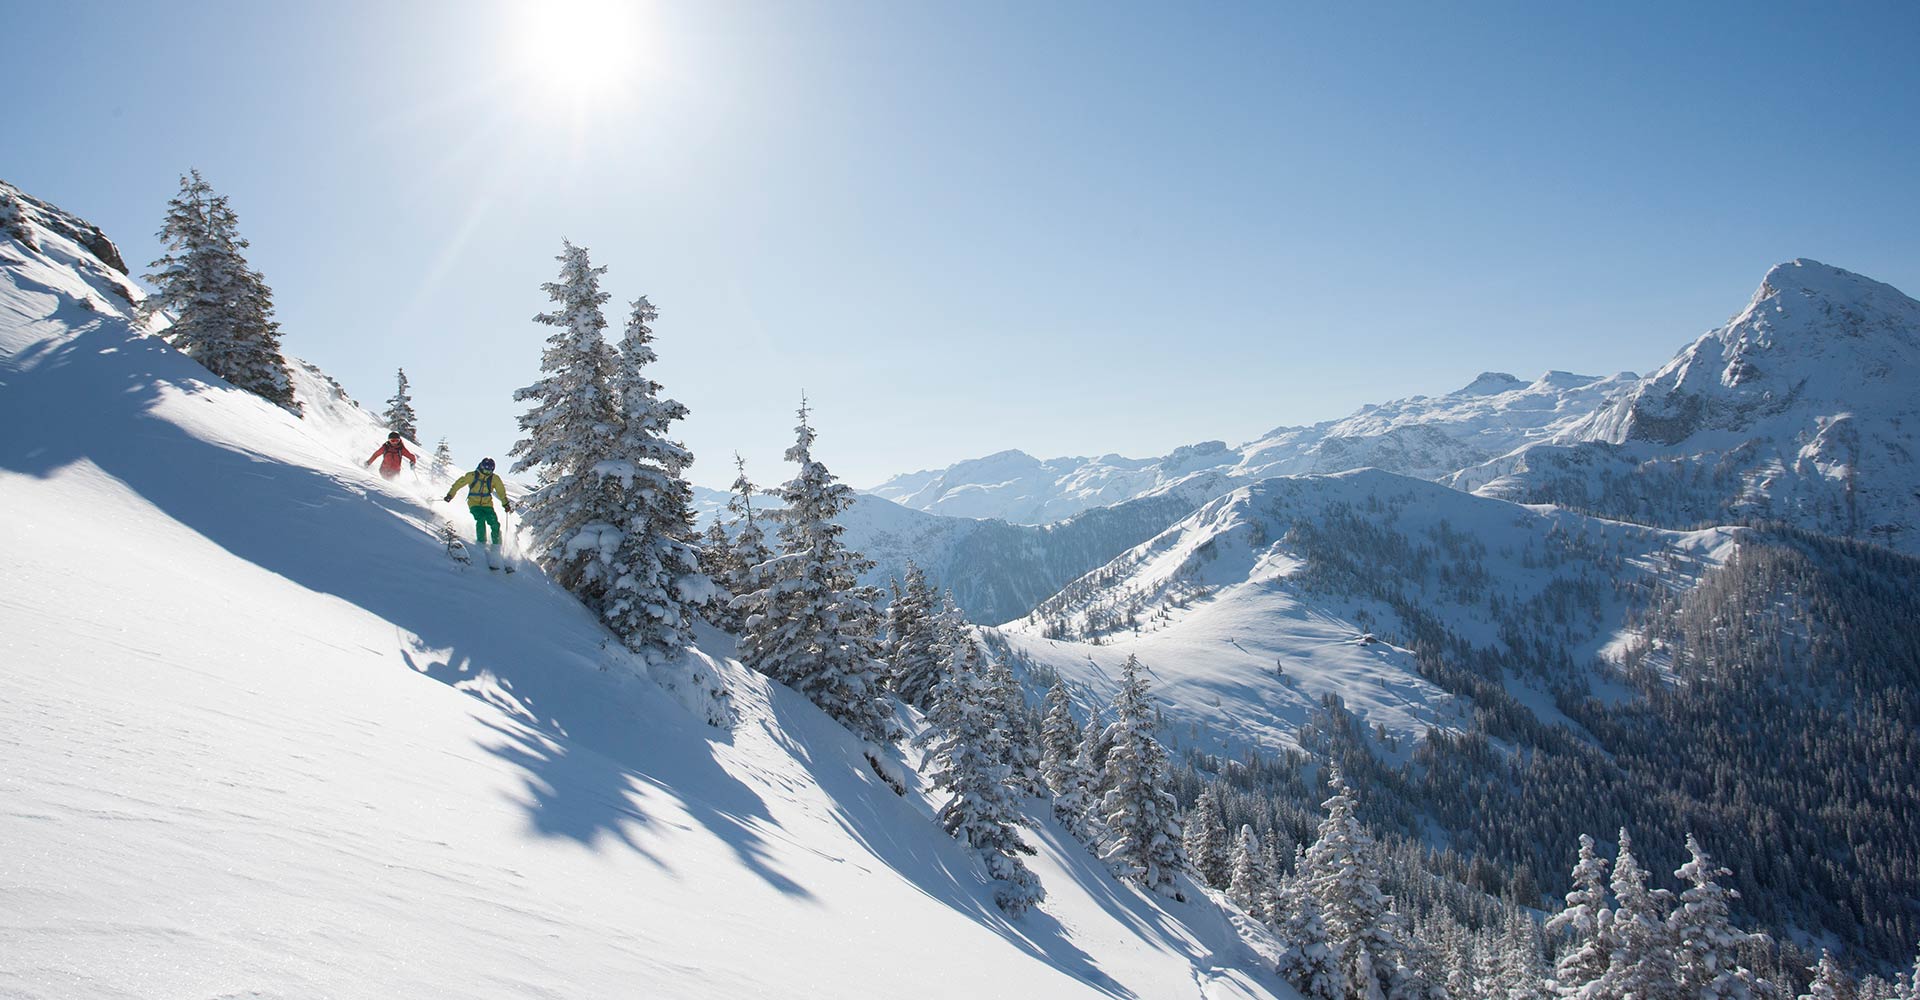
[{"x": 579, "y": 51}]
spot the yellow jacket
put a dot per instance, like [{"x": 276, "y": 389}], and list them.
[{"x": 481, "y": 489}]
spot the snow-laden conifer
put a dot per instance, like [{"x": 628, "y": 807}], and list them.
[
  {"x": 1706, "y": 944},
  {"x": 913, "y": 642},
  {"x": 1019, "y": 743},
  {"x": 571, "y": 438},
  {"x": 1062, "y": 766},
  {"x": 735, "y": 558},
  {"x": 812, "y": 625},
  {"x": 399, "y": 415},
  {"x": 1641, "y": 965},
  {"x": 1142, "y": 817},
  {"x": 1342, "y": 875},
  {"x": 1205, "y": 840},
  {"x": 1246, "y": 885},
  {"x": 980, "y": 806},
  {"x": 221, "y": 309},
  {"x": 1830, "y": 981},
  {"x": 1585, "y": 924},
  {"x": 657, "y": 582},
  {"x": 1308, "y": 958},
  {"x": 441, "y": 466},
  {"x": 1269, "y": 906}
]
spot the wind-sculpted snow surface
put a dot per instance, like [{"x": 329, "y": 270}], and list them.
[
  {"x": 260, "y": 737},
  {"x": 1258, "y": 605},
  {"x": 1802, "y": 409},
  {"x": 1428, "y": 437}
]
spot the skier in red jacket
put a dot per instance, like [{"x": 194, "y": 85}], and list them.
[{"x": 394, "y": 450}]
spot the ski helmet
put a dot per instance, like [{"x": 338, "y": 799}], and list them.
[
  {"x": 486, "y": 465},
  {"x": 393, "y": 435}
]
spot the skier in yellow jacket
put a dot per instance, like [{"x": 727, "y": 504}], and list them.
[{"x": 482, "y": 486}]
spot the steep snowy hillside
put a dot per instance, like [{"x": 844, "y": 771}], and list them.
[
  {"x": 259, "y": 736},
  {"x": 1802, "y": 409},
  {"x": 1423, "y": 436},
  {"x": 1258, "y": 605}
]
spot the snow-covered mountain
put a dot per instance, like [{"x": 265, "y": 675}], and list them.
[
  {"x": 259, "y": 736},
  {"x": 1802, "y": 409},
  {"x": 996, "y": 570},
  {"x": 1429, "y": 437},
  {"x": 1255, "y": 607}
]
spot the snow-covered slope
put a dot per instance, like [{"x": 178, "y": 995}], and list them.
[
  {"x": 1424, "y": 436},
  {"x": 1258, "y": 605},
  {"x": 259, "y": 736},
  {"x": 1803, "y": 409}
]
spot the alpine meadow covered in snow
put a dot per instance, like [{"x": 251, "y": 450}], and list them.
[{"x": 601, "y": 676}]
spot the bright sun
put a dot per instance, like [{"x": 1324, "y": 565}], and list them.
[{"x": 577, "y": 50}]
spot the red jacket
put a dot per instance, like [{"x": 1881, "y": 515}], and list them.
[{"x": 393, "y": 450}]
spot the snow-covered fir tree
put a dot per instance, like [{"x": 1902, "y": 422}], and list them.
[
  {"x": 1020, "y": 743},
  {"x": 399, "y": 415},
  {"x": 657, "y": 585},
  {"x": 1830, "y": 981},
  {"x": 1707, "y": 945},
  {"x": 1341, "y": 873},
  {"x": 441, "y": 466},
  {"x": 812, "y": 625},
  {"x": 1246, "y": 884},
  {"x": 1269, "y": 905},
  {"x": 961, "y": 761},
  {"x": 1142, "y": 816},
  {"x": 1521, "y": 971},
  {"x": 1061, "y": 767},
  {"x": 1585, "y": 924},
  {"x": 571, "y": 434},
  {"x": 913, "y": 642},
  {"x": 1205, "y": 840},
  {"x": 1308, "y": 958},
  {"x": 221, "y": 308},
  {"x": 735, "y": 558},
  {"x": 1641, "y": 965}
]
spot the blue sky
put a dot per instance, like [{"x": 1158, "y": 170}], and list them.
[{"x": 1064, "y": 228}]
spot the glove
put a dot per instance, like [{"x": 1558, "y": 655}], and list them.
[
  {"x": 449, "y": 499},
  {"x": 508, "y": 506}
]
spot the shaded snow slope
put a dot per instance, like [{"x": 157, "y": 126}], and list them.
[
  {"x": 259, "y": 736},
  {"x": 1261, "y": 603},
  {"x": 1428, "y": 437},
  {"x": 1802, "y": 409}
]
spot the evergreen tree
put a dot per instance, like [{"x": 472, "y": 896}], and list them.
[
  {"x": 1707, "y": 946},
  {"x": 222, "y": 309},
  {"x": 1143, "y": 828},
  {"x": 1205, "y": 840},
  {"x": 399, "y": 415},
  {"x": 1522, "y": 966},
  {"x": 657, "y": 581},
  {"x": 1269, "y": 905},
  {"x": 441, "y": 468},
  {"x": 1641, "y": 966},
  {"x": 1586, "y": 923},
  {"x": 1020, "y": 743},
  {"x": 572, "y": 438},
  {"x": 1075, "y": 801},
  {"x": 1246, "y": 883},
  {"x": 1308, "y": 958},
  {"x": 1342, "y": 875},
  {"x": 746, "y": 551},
  {"x": 1830, "y": 982},
  {"x": 813, "y": 624},
  {"x": 913, "y": 645},
  {"x": 980, "y": 807}
]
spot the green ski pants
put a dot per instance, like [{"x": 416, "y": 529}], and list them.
[{"x": 483, "y": 516}]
